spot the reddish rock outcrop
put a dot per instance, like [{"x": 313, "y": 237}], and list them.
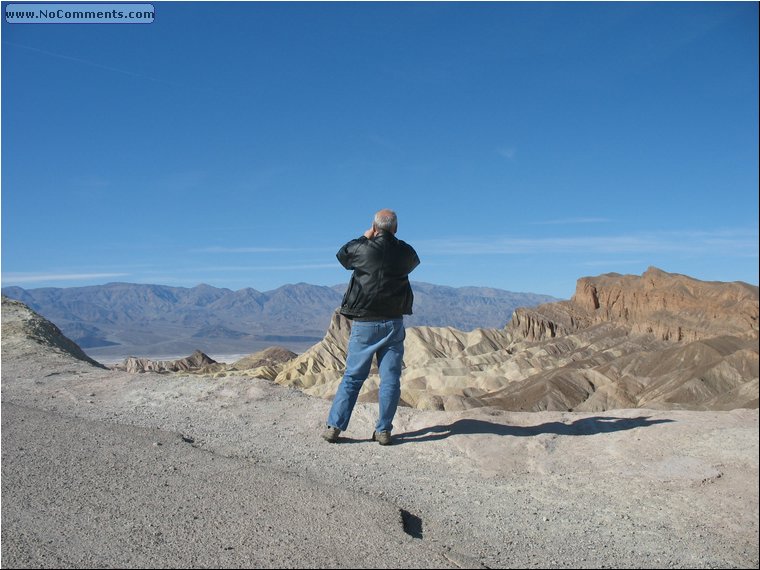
[{"x": 670, "y": 306}]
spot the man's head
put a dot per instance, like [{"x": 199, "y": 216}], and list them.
[{"x": 386, "y": 221}]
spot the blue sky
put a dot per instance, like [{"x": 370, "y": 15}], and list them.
[{"x": 523, "y": 145}]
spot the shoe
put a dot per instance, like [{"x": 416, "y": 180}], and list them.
[
  {"x": 331, "y": 434},
  {"x": 382, "y": 437}
]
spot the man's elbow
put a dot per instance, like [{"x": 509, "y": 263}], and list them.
[{"x": 344, "y": 260}]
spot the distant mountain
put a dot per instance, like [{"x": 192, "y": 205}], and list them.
[
  {"x": 121, "y": 319},
  {"x": 468, "y": 308}
]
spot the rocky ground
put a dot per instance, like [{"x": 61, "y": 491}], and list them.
[{"x": 108, "y": 469}]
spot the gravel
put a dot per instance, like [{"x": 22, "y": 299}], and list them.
[{"x": 108, "y": 469}]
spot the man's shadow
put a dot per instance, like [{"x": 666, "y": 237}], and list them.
[{"x": 585, "y": 426}]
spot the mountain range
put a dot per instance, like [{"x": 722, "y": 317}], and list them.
[{"x": 121, "y": 319}]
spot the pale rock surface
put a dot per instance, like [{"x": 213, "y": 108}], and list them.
[
  {"x": 272, "y": 356},
  {"x": 263, "y": 364},
  {"x": 197, "y": 361},
  {"x": 29, "y": 335}
]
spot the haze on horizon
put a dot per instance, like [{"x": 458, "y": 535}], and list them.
[{"x": 522, "y": 145}]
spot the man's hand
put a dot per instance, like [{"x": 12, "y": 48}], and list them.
[{"x": 370, "y": 233}]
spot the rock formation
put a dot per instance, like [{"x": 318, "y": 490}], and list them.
[
  {"x": 658, "y": 340},
  {"x": 263, "y": 364},
  {"x": 29, "y": 336},
  {"x": 670, "y": 306},
  {"x": 324, "y": 362},
  {"x": 196, "y": 362}
]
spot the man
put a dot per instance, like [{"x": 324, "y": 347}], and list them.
[{"x": 378, "y": 297}]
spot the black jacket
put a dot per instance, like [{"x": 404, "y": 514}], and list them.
[{"x": 379, "y": 287}]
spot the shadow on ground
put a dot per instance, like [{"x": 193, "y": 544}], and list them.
[{"x": 585, "y": 426}]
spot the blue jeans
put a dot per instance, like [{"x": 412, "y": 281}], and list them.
[{"x": 386, "y": 339}]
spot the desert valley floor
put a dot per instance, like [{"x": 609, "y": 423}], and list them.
[{"x": 110, "y": 469}]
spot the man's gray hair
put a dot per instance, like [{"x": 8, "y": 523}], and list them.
[{"x": 386, "y": 220}]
